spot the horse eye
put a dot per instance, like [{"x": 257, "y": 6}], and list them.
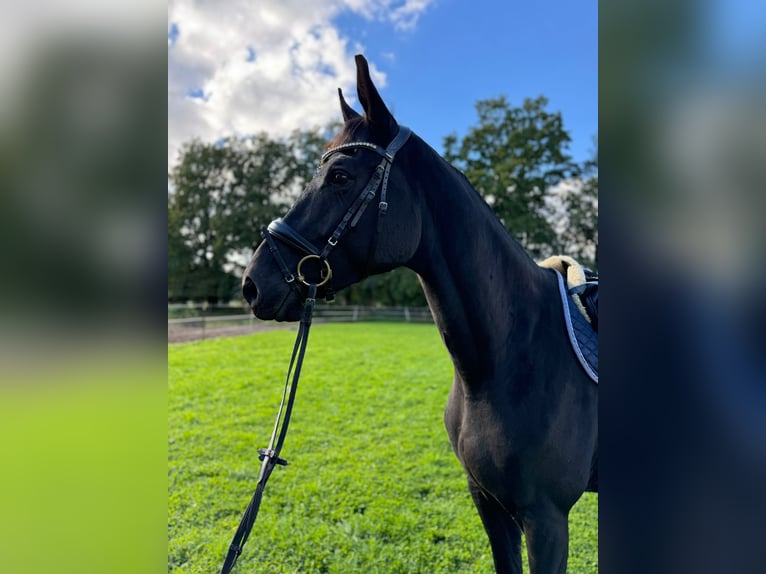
[{"x": 339, "y": 178}]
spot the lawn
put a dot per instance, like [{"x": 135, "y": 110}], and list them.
[{"x": 372, "y": 485}]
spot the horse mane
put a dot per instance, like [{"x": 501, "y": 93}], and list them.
[
  {"x": 461, "y": 181},
  {"x": 461, "y": 177},
  {"x": 351, "y": 127}
]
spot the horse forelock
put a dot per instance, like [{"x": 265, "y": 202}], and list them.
[{"x": 346, "y": 135}]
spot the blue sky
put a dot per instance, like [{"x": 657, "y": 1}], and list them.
[
  {"x": 464, "y": 51},
  {"x": 237, "y": 67}
]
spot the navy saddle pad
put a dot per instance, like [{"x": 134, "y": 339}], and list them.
[{"x": 583, "y": 338}]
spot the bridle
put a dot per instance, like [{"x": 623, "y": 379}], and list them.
[{"x": 280, "y": 230}]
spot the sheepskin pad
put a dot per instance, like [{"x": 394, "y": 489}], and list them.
[{"x": 573, "y": 273}]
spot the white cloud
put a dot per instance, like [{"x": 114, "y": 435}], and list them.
[
  {"x": 271, "y": 65},
  {"x": 403, "y": 14}
]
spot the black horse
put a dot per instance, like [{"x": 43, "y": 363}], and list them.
[{"x": 522, "y": 413}]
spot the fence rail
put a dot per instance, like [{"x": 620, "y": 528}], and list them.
[{"x": 211, "y": 326}]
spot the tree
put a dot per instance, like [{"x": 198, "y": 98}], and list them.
[
  {"x": 308, "y": 146},
  {"x": 513, "y": 156},
  {"x": 221, "y": 195},
  {"x": 398, "y": 288},
  {"x": 581, "y": 235},
  {"x": 180, "y": 257}
]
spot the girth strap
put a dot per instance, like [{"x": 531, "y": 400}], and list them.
[{"x": 270, "y": 455}]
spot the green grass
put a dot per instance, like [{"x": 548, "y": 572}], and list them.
[{"x": 372, "y": 485}]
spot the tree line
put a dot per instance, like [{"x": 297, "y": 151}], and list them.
[{"x": 221, "y": 194}]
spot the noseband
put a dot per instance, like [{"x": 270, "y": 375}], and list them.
[{"x": 280, "y": 230}]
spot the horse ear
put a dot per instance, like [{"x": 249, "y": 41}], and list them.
[
  {"x": 347, "y": 111},
  {"x": 380, "y": 119}
]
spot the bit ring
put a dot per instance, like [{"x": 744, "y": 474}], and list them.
[{"x": 325, "y": 278}]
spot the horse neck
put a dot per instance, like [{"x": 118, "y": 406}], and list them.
[{"x": 482, "y": 287}]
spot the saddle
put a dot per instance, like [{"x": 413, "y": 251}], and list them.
[
  {"x": 582, "y": 285},
  {"x": 588, "y": 294},
  {"x": 579, "y": 300}
]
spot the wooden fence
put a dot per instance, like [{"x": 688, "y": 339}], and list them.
[{"x": 212, "y": 323}]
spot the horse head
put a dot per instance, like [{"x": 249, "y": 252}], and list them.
[{"x": 358, "y": 216}]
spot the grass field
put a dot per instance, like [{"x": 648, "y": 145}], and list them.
[{"x": 372, "y": 485}]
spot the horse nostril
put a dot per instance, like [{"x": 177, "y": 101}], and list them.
[{"x": 250, "y": 292}]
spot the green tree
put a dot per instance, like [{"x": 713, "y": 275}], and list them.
[
  {"x": 397, "y": 288},
  {"x": 220, "y": 196},
  {"x": 513, "y": 156},
  {"x": 572, "y": 210},
  {"x": 180, "y": 257},
  {"x": 581, "y": 236},
  {"x": 308, "y": 146}
]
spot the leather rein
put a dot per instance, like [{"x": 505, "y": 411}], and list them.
[{"x": 279, "y": 230}]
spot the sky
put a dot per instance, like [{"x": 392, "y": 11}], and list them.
[{"x": 237, "y": 67}]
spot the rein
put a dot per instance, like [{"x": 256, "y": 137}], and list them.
[
  {"x": 270, "y": 455},
  {"x": 280, "y": 230}
]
